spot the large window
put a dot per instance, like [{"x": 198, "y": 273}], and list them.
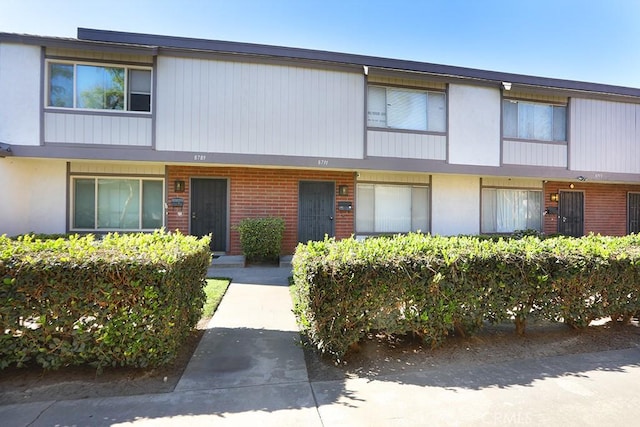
[
  {"x": 507, "y": 210},
  {"x": 99, "y": 87},
  {"x": 406, "y": 109},
  {"x": 384, "y": 208},
  {"x": 117, "y": 204},
  {"x": 530, "y": 120}
]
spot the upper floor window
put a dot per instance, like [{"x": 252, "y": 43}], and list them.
[
  {"x": 532, "y": 120},
  {"x": 406, "y": 109},
  {"x": 98, "y": 87}
]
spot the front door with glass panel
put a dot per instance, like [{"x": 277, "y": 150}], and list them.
[
  {"x": 209, "y": 211},
  {"x": 571, "y": 213}
]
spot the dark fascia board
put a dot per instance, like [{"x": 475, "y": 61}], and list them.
[
  {"x": 346, "y": 58},
  {"x": 5, "y": 150},
  {"x": 69, "y": 43}
]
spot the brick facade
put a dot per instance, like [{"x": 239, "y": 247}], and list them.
[
  {"x": 255, "y": 192},
  {"x": 605, "y": 206}
]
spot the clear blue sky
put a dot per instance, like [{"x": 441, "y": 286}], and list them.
[{"x": 587, "y": 40}]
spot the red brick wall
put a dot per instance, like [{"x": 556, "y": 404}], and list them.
[
  {"x": 259, "y": 193},
  {"x": 605, "y": 206}
]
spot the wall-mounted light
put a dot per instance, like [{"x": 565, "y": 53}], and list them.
[
  {"x": 343, "y": 190},
  {"x": 554, "y": 197},
  {"x": 178, "y": 186},
  {"x": 506, "y": 85},
  {"x": 571, "y": 186}
]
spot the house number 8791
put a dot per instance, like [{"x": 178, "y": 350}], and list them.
[{"x": 200, "y": 157}]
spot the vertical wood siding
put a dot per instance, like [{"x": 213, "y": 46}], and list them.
[
  {"x": 217, "y": 106},
  {"x": 120, "y": 168},
  {"x": 97, "y": 129},
  {"x": 534, "y": 154},
  {"x": 474, "y": 125},
  {"x": 396, "y": 177},
  {"x": 20, "y": 91},
  {"x": 498, "y": 181},
  {"x": 604, "y": 136},
  {"x": 406, "y": 145}
]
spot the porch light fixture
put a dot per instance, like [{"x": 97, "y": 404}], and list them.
[
  {"x": 178, "y": 186},
  {"x": 554, "y": 197},
  {"x": 506, "y": 85},
  {"x": 343, "y": 190}
]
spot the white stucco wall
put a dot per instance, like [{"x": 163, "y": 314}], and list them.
[
  {"x": 33, "y": 196},
  {"x": 474, "y": 125},
  {"x": 20, "y": 88},
  {"x": 455, "y": 205}
]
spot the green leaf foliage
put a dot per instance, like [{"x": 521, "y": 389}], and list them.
[
  {"x": 124, "y": 300},
  {"x": 430, "y": 286},
  {"x": 261, "y": 238}
]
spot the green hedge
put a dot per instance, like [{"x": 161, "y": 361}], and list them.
[
  {"x": 431, "y": 286},
  {"x": 124, "y": 300},
  {"x": 261, "y": 238}
]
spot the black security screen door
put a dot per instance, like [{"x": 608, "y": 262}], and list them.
[
  {"x": 571, "y": 214},
  {"x": 315, "y": 210},
  {"x": 634, "y": 213},
  {"x": 209, "y": 211}
]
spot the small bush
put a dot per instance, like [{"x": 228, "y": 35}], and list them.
[{"x": 261, "y": 238}]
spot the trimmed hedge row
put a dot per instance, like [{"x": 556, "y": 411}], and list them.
[
  {"x": 430, "y": 286},
  {"x": 124, "y": 300}
]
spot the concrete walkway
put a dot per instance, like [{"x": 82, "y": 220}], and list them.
[{"x": 249, "y": 370}]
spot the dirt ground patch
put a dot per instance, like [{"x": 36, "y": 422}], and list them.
[
  {"x": 377, "y": 355},
  {"x": 33, "y": 384},
  {"x": 380, "y": 355}
]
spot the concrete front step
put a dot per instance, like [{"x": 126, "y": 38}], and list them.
[{"x": 239, "y": 261}]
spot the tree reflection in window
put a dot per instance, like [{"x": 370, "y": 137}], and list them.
[{"x": 100, "y": 88}]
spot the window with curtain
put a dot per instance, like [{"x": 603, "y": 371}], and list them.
[
  {"x": 384, "y": 208},
  {"x": 117, "y": 204},
  {"x": 536, "y": 121},
  {"x": 507, "y": 210},
  {"x": 408, "y": 109}
]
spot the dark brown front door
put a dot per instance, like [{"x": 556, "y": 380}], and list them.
[
  {"x": 315, "y": 210},
  {"x": 571, "y": 213},
  {"x": 633, "y": 206},
  {"x": 209, "y": 211}
]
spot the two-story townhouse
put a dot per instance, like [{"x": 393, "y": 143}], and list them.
[{"x": 118, "y": 131}]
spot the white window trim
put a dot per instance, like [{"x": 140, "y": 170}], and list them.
[
  {"x": 75, "y": 64},
  {"x": 411, "y": 186},
  {"x": 528, "y": 189},
  {"x": 545, "y": 103},
  {"x": 118, "y": 177},
  {"x": 409, "y": 89}
]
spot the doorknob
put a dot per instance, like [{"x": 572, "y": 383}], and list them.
[
  {"x": 564, "y": 219},
  {"x": 193, "y": 215},
  {"x": 330, "y": 218}
]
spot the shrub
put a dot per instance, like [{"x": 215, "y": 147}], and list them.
[
  {"x": 261, "y": 238},
  {"x": 125, "y": 300},
  {"x": 431, "y": 286}
]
